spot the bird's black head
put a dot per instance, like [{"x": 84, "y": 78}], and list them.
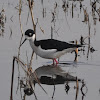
[{"x": 29, "y": 33}]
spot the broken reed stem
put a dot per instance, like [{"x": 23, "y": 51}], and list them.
[
  {"x": 20, "y": 26},
  {"x": 77, "y": 88},
  {"x": 54, "y": 89},
  {"x": 30, "y": 6},
  {"x": 24, "y": 97},
  {"x": 21, "y": 63},
  {"x": 53, "y": 92},
  {"x": 35, "y": 96},
  {"x": 27, "y": 72},
  {"x": 12, "y": 80},
  {"x": 94, "y": 7},
  {"x": 37, "y": 80},
  {"x": 34, "y": 27},
  {"x": 20, "y": 4},
  {"x": 31, "y": 59},
  {"x": 89, "y": 27},
  {"x": 72, "y": 10}
]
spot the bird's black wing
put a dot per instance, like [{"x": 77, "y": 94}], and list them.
[{"x": 54, "y": 44}]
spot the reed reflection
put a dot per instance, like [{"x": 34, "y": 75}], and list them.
[{"x": 82, "y": 89}]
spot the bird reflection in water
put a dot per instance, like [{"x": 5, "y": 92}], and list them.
[{"x": 50, "y": 75}]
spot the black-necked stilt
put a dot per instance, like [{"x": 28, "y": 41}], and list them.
[{"x": 49, "y": 48}]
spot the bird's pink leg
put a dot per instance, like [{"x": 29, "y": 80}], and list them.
[{"x": 54, "y": 60}]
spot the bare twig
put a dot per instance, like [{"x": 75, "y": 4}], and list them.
[
  {"x": 31, "y": 6},
  {"x": 31, "y": 59},
  {"x": 35, "y": 96},
  {"x": 33, "y": 75},
  {"x": 34, "y": 26},
  {"x": 88, "y": 40},
  {"x": 94, "y": 7},
  {"x": 20, "y": 26},
  {"x": 54, "y": 88},
  {"x": 24, "y": 96},
  {"x": 12, "y": 80},
  {"x": 20, "y": 5},
  {"x": 77, "y": 88},
  {"x": 10, "y": 32},
  {"x": 27, "y": 18}
]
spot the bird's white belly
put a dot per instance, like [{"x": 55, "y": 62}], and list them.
[{"x": 60, "y": 53}]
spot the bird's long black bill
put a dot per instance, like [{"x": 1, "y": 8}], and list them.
[{"x": 23, "y": 42}]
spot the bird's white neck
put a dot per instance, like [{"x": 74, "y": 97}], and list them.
[{"x": 33, "y": 38}]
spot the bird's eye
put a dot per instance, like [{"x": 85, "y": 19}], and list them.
[{"x": 30, "y": 34}]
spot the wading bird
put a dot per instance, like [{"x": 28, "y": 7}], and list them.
[{"x": 48, "y": 48}]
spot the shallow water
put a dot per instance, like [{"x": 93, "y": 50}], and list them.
[{"x": 66, "y": 29}]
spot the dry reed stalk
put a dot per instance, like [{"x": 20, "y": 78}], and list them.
[
  {"x": 20, "y": 5},
  {"x": 12, "y": 80},
  {"x": 10, "y": 32},
  {"x": 72, "y": 10},
  {"x": 76, "y": 53},
  {"x": 85, "y": 15},
  {"x": 29, "y": 72},
  {"x": 37, "y": 80},
  {"x": 89, "y": 27},
  {"x": 24, "y": 97},
  {"x": 54, "y": 89},
  {"x": 24, "y": 67},
  {"x": 77, "y": 88},
  {"x": 31, "y": 59},
  {"x": 31, "y": 6},
  {"x": 34, "y": 27}
]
